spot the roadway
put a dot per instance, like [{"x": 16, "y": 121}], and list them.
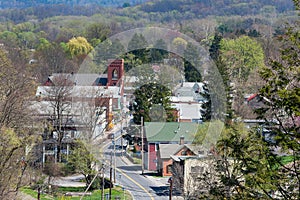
[{"x": 129, "y": 175}]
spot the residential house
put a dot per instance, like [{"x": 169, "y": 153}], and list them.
[
  {"x": 187, "y": 100},
  {"x": 188, "y": 112},
  {"x": 165, "y": 152},
  {"x": 165, "y": 133},
  {"x": 189, "y": 91}
]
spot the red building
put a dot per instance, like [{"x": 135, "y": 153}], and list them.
[{"x": 165, "y": 133}]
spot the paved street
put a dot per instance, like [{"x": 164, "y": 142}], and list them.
[{"x": 130, "y": 177}]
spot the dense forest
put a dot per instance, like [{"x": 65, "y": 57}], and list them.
[
  {"x": 159, "y": 10},
  {"x": 160, "y": 5},
  {"x": 25, "y": 4}
]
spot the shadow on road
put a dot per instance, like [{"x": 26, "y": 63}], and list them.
[
  {"x": 111, "y": 153},
  {"x": 151, "y": 174},
  {"x": 160, "y": 190},
  {"x": 117, "y": 147},
  {"x": 130, "y": 168},
  {"x": 164, "y": 191}
]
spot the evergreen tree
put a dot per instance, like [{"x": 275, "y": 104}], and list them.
[
  {"x": 159, "y": 51},
  {"x": 221, "y": 96},
  {"x": 206, "y": 105},
  {"x": 138, "y": 52},
  {"x": 138, "y": 46},
  {"x": 282, "y": 91},
  {"x": 152, "y": 98},
  {"x": 191, "y": 62},
  {"x": 249, "y": 166}
]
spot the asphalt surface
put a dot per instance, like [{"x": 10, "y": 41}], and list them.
[{"x": 130, "y": 177}]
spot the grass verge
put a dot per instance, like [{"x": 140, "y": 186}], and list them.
[{"x": 96, "y": 195}]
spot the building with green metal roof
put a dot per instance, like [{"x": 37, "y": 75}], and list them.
[
  {"x": 165, "y": 133},
  {"x": 170, "y": 132}
]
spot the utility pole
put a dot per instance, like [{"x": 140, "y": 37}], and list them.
[
  {"x": 115, "y": 160},
  {"x": 110, "y": 176},
  {"x": 103, "y": 183},
  {"x": 39, "y": 193},
  {"x": 122, "y": 133},
  {"x": 171, "y": 188},
  {"x": 141, "y": 132},
  {"x": 142, "y": 137}
]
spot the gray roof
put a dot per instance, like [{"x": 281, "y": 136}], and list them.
[
  {"x": 166, "y": 150},
  {"x": 188, "y": 111},
  {"x": 80, "y": 79},
  {"x": 188, "y": 89},
  {"x": 81, "y": 91},
  {"x": 197, "y": 149}
]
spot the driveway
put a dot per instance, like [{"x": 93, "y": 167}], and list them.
[{"x": 69, "y": 181}]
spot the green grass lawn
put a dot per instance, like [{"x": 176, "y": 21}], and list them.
[
  {"x": 96, "y": 195},
  {"x": 34, "y": 193}
]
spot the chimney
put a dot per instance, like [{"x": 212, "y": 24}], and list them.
[{"x": 181, "y": 140}]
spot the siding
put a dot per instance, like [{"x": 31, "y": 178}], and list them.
[{"x": 152, "y": 158}]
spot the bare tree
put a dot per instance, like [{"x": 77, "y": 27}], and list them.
[
  {"x": 92, "y": 112},
  {"x": 17, "y": 133},
  {"x": 52, "y": 59},
  {"x": 60, "y": 99}
]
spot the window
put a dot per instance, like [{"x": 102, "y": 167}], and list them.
[
  {"x": 169, "y": 169},
  {"x": 115, "y": 74},
  {"x": 197, "y": 169}
]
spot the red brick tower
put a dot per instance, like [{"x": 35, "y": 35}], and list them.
[{"x": 115, "y": 74}]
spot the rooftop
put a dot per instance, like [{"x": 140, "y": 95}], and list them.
[
  {"x": 81, "y": 91},
  {"x": 188, "y": 111},
  {"x": 80, "y": 79},
  {"x": 190, "y": 89},
  {"x": 170, "y": 132},
  {"x": 166, "y": 150}
]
